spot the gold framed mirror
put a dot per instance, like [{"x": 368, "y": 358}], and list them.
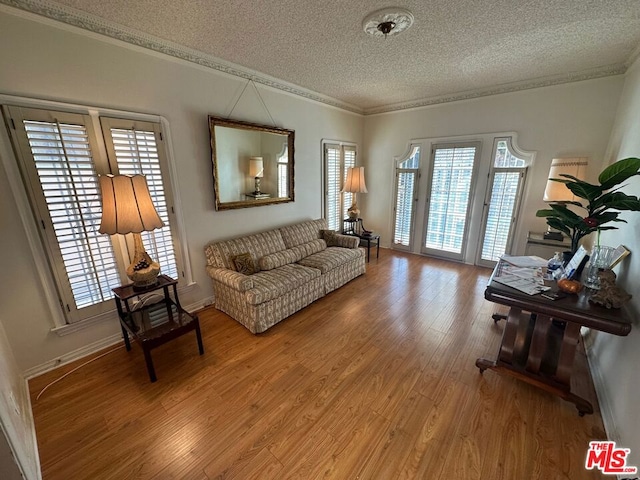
[{"x": 253, "y": 165}]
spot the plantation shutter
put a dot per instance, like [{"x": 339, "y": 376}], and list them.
[
  {"x": 337, "y": 160},
  {"x": 506, "y": 183},
  {"x": 451, "y": 180},
  {"x": 349, "y": 153},
  {"x": 134, "y": 147},
  {"x": 333, "y": 186},
  {"x": 405, "y": 188},
  {"x": 56, "y": 153}
]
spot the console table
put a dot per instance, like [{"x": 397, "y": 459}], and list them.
[
  {"x": 541, "y": 352},
  {"x": 155, "y": 322}
]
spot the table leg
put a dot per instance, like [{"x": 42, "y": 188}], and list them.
[
  {"x": 125, "y": 335},
  {"x": 378, "y": 248},
  {"x": 199, "y": 337},
  {"x": 528, "y": 343},
  {"x": 149, "y": 362}
]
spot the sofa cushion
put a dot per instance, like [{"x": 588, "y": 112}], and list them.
[
  {"x": 219, "y": 253},
  {"x": 304, "y": 232},
  {"x": 277, "y": 282},
  {"x": 331, "y": 258},
  {"x": 291, "y": 255},
  {"x": 243, "y": 263},
  {"x": 329, "y": 236}
]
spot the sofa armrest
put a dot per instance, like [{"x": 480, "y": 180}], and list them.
[
  {"x": 347, "y": 241},
  {"x": 236, "y": 280}
]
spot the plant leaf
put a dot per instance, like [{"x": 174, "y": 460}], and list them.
[
  {"x": 558, "y": 225},
  {"x": 619, "y": 172},
  {"x": 585, "y": 190}
]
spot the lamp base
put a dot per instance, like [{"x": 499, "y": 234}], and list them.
[
  {"x": 353, "y": 211},
  {"x": 143, "y": 271}
]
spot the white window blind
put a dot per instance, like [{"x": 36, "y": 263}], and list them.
[
  {"x": 507, "y": 177},
  {"x": 136, "y": 152},
  {"x": 451, "y": 177},
  {"x": 406, "y": 182},
  {"x": 337, "y": 159},
  {"x": 62, "y": 158}
]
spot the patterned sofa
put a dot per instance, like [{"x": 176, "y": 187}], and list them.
[{"x": 294, "y": 266}]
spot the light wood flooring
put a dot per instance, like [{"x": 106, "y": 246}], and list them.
[{"x": 375, "y": 380}]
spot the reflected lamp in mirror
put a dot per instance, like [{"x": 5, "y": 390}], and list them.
[
  {"x": 557, "y": 192},
  {"x": 256, "y": 170},
  {"x": 354, "y": 184},
  {"x": 127, "y": 208},
  {"x": 235, "y": 147}
]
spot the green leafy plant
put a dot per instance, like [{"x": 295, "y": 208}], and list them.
[{"x": 603, "y": 202}]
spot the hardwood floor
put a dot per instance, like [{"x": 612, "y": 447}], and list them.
[{"x": 375, "y": 380}]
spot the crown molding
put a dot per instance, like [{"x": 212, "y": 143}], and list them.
[
  {"x": 92, "y": 23},
  {"x": 607, "y": 71}
]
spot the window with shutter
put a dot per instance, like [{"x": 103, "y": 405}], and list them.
[
  {"x": 337, "y": 160},
  {"x": 406, "y": 184},
  {"x": 134, "y": 147},
  {"x": 283, "y": 173},
  {"x": 506, "y": 185},
  {"x": 57, "y": 154},
  {"x": 452, "y": 168}
]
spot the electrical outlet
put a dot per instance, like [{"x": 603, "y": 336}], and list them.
[{"x": 14, "y": 404}]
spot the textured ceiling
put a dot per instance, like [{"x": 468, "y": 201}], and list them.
[{"x": 455, "y": 48}]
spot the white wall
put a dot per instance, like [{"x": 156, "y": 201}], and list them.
[
  {"x": 16, "y": 421},
  {"x": 616, "y": 359},
  {"x": 42, "y": 60},
  {"x": 565, "y": 120}
]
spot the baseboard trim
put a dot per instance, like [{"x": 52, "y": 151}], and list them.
[
  {"x": 73, "y": 355},
  {"x": 604, "y": 399}
]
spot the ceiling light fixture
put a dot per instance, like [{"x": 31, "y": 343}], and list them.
[{"x": 387, "y": 22}]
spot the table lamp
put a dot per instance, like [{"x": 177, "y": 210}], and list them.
[
  {"x": 127, "y": 208},
  {"x": 557, "y": 192},
  {"x": 256, "y": 170},
  {"x": 354, "y": 184}
]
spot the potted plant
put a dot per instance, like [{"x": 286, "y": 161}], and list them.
[{"x": 603, "y": 202}]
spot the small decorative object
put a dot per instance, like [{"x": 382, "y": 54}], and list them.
[
  {"x": 603, "y": 202},
  {"x": 127, "y": 208},
  {"x": 256, "y": 170},
  {"x": 569, "y": 286},
  {"x": 354, "y": 184},
  {"x": 610, "y": 295}
]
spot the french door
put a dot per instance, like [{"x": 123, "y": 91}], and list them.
[
  {"x": 448, "y": 202},
  {"x": 502, "y": 201}
]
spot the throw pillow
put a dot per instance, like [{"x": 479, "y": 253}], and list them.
[
  {"x": 330, "y": 236},
  {"x": 244, "y": 263}
]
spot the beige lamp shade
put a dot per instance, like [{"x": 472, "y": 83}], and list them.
[
  {"x": 355, "y": 181},
  {"x": 256, "y": 167},
  {"x": 558, "y": 191},
  {"x": 127, "y": 205}
]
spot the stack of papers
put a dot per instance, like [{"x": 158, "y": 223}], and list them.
[{"x": 523, "y": 273}]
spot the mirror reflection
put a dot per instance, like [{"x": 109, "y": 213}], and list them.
[{"x": 252, "y": 164}]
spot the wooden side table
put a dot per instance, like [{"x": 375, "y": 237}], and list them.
[
  {"x": 354, "y": 227},
  {"x": 156, "y": 323}
]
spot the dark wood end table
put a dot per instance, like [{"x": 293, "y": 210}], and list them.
[
  {"x": 354, "y": 228},
  {"x": 541, "y": 336},
  {"x": 155, "y": 323}
]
